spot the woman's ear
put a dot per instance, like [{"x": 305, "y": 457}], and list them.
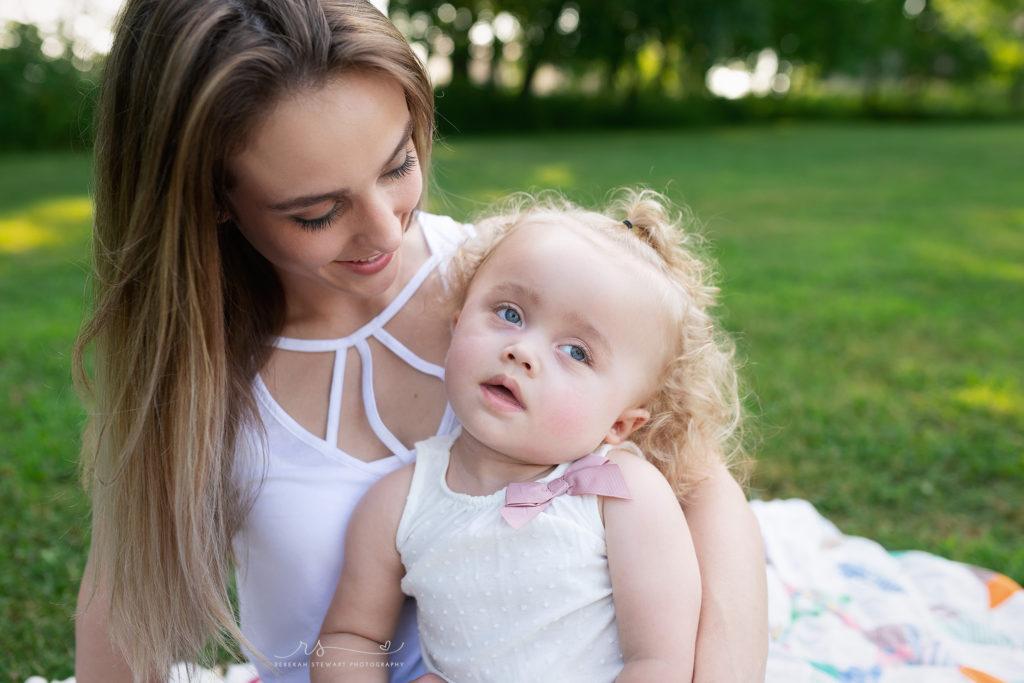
[{"x": 627, "y": 423}]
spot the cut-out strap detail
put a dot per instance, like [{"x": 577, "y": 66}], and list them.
[
  {"x": 370, "y": 404},
  {"x": 441, "y": 245},
  {"x": 334, "y": 403},
  {"x": 367, "y": 330},
  {"x": 406, "y": 354}
]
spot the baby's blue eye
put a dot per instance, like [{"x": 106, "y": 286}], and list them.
[
  {"x": 576, "y": 352},
  {"x": 509, "y": 315}
]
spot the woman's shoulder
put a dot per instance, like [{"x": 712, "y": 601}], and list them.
[{"x": 444, "y": 233}]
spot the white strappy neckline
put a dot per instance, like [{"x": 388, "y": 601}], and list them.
[{"x": 359, "y": 340}]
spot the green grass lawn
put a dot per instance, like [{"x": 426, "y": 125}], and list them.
[{"x": 873, "y": 276}]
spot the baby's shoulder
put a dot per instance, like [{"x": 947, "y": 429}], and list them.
[
  {"x": 399, "y": 479},
  {"x": 638, "y": 472},
  {"x": 386, "y": 498},
  {"x": 648, "y": 487}
]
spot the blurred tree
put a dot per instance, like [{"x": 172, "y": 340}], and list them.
[
  {"x": 606, "y": 35},
  {"x": 539, "y": 40},
  {"x": 998, "y": 25},
  {"x": 678, "y": 41},
  {"x": 669, "y": 45},
  {"x": 426, "y": 19},
  {"x": 47, "y": 101},
  {"x": 710, "y": 32},
  {"x": 542, "y": 41},
  {"x": 876, "y": 40}
]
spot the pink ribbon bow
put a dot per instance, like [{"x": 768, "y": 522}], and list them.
[{"x": 592, "y": 473}]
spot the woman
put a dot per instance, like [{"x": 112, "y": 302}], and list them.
[{"x": 263, "y": 347}]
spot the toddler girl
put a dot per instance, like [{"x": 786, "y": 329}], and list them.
[{"x": 538, "y": 541}]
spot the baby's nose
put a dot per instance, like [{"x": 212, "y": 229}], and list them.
[{"x": 518, "y": 356}]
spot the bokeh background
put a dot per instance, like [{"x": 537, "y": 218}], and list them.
[{"x": 857, "y": 166}]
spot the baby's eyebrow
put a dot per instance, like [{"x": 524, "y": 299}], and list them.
[
  {"x": 516, "y": 290},
  {"x": 590, "y": 332}
]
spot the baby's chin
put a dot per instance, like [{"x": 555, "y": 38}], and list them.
[{"x": 525, "y": 449}]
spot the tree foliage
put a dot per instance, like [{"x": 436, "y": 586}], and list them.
[
  {"x": 46, "y": 101},
  {"x": 622, "y": 55},
  {"x": 669, "y": 45}
]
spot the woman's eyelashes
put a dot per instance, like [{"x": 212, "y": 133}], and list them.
[
  {"x": 404, "y": 168},
  {"x": 318, "y": 223},
  {"x": 322, "y": 222},
  {"x": 578, "y": 352}
]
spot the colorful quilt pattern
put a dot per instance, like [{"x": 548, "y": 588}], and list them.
[{"x": 842, "y": 608}]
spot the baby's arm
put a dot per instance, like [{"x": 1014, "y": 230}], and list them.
[
  {"x": 364, "y": 613},
  {"x": 655, "y": 578}
]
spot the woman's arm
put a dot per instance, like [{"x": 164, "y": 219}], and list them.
[
  {"x": 732, "y": 640},
  {"x": 356, "y": 634},
  {"x": 654, "y": 573},
  {"x": 96, "y": 659}
]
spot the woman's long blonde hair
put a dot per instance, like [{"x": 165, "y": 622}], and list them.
[
  {"x": 184, "y": 306},
  {"x": 696, "y": 409}
]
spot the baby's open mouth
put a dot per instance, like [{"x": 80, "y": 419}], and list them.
[{"x": 503, "y": 393}]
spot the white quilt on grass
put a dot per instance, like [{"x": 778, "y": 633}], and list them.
[{"x": 842, "y": 608}]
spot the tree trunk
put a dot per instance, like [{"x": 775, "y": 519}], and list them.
[
  {"x": 1017, "y": 91},
  {"x": 460, "y": 59},
  {"x": 493, "y": 79}
]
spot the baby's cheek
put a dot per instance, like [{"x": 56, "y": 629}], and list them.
[
  {"x": 462, "y": 353},
  {"x": 459, "y": 368},
  {"x": 566, "y": 417}
]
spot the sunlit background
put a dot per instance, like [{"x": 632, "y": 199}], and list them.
[
  {"x": 550, "y": 63},
  {"x": 84, "y": 25},
  {"x": 856, "y": 165}
]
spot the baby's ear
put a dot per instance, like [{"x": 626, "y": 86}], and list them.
[{"x": 627, "y": 423}]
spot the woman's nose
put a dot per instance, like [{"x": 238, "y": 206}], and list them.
[
  {"x": 519, "y": 354},
  {"x": 381, "y": 226}
]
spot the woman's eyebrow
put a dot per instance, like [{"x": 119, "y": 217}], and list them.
[
  {"x": 308, "y": 200},
  {"x": 313, "y": 199}
]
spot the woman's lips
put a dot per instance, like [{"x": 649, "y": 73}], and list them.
[{"x": 370, "y": 267}]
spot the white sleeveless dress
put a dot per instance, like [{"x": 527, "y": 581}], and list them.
[
  {"x": 290, "y": 547},
  {"x": 507, "y": 605}
]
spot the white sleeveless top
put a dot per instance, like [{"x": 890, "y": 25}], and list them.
[
  {"x": 290, "y": 547},
  {"x": 501, "y": 604}
]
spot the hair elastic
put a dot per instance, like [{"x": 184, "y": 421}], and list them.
[{"x": 628, "y": 223}]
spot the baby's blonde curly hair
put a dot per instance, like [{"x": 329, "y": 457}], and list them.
[{"x": 696, "y": 409}]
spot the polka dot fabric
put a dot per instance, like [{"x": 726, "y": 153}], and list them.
[{"x": 502, "y": 604}]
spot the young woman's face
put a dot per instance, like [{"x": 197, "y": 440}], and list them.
[
  {"x": 331, "y": 177},
  {"x": 577, "y": 328}
]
